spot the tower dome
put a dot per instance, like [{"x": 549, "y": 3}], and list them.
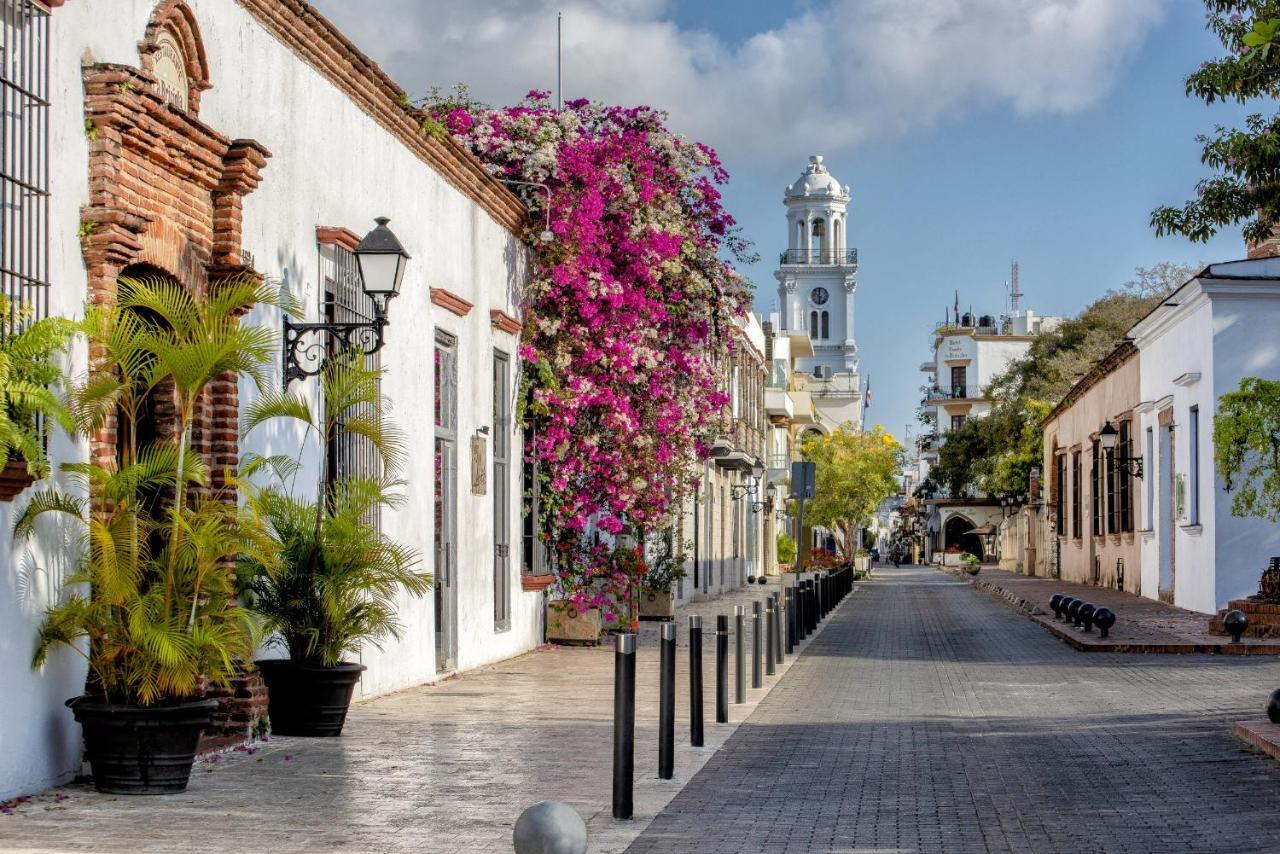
[{"x": 816, "y": 182}]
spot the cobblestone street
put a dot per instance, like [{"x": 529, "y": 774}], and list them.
[
  {"x": 924, "y": 716},
  {"x": 931, "y": 717}
]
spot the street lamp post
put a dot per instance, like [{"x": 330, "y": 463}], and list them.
[{"x": 308, "y": 346}]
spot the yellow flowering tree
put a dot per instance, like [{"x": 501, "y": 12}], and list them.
[{"x": 855, "y": 472}]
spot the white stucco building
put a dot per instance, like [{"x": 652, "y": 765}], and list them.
[
  {"x": 1197, "y": 345},
  {"x": 967, "y": 355},
  {"x": 208, "y": 138},
  {"x": 817, "y": 280}
]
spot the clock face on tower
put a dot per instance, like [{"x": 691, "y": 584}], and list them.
[{"x": 819, "y": 296}]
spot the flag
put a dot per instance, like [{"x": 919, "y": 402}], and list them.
[{"x": 866, "y": 402}]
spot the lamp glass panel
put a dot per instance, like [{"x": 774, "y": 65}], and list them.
[{"x": 381, "y": 273}]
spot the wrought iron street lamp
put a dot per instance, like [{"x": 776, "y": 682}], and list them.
[
  {"x": 308, "y": 346},
  {"x": 1107, "y": 438}
]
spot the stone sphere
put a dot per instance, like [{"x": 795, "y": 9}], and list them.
[
  {"x": 1273, "y": 707},
  {"x": 764, "y": 579},
  {"x": 550, "y": 827},
  {"x": 1104, "y": 618},
  {"x": 1073, "y": 609},
  {"x": 1235, "y": 623},
  {"x": 1055, "y": 604},
  {"x": 751, "y": 579},
  {"x": 1064, "y": 605},
  {"x": 1086, "y": 613}
]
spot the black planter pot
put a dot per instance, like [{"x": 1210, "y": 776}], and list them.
[
  {"x": 308, "y": 699},
  {"x": 141, "y": 750}
]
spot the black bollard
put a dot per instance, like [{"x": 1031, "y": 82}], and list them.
[
  {"x": 695, "y": 680},
  {"x": 667, "y": 703},
  {"x": 802, "y": 618},
  {"x": 771, "y": 639},
  {"x": 789, "y": 617},
  {"x": 810, "y": 608},
  {"x": 739, "y": 654},
  {"x": 722, "y": 668},
  {"x": 624, "y": 724},
  {"x": 756, "y": 644},
  {"x": 779, "y": 628}
]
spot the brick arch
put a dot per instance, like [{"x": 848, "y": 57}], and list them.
[{"x": 176, "y": 18}]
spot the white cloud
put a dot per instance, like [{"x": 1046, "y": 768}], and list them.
[{"x": 832, "y": 77}]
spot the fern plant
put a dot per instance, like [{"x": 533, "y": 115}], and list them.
[
  {"x": 338, "y": 577},
  {"x": 30, "y": 380},
  {"x": 154, "y": 595}
]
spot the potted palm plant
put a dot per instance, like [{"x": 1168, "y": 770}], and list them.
[
  {"x": 151, "y": 605},
  {"x": 338, "y": 574}
]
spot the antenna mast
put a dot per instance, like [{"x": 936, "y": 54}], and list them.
[{"x": 1015, "y": 291}]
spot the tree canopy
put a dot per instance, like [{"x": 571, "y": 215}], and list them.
[
  {"x": 995, "y": 454},
  {"x": 1245, "y": 184},
  {"x": 854, "y": 473}
]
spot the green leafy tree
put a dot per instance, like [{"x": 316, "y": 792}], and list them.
[
  {"x": 1245, "y": 184},
  {"x": 995, "y": 454},
  {"x": 1246, "y": 440},
  {"x": 854, "y": 473}
]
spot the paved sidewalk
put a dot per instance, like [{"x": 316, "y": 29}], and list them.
[
  {"x": 1142, "y": 624},
  {"x": 442, "y": 768},
  {"x": 929, "y": 718}
]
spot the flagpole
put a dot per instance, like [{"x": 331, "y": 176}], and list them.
[{"x": 559, "y": 62}]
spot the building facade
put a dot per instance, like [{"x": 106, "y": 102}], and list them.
[
  {"x": 722, "y": 525},
  {"x": 173, "y": 161},
  {"x": 817, "y": 281},
  {"x": 1094, "y": 497},
  {"x": 1196, "y": 346},
  {"x": 968, "y": 353}
]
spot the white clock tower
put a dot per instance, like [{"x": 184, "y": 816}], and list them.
[{"x": 817, "y": 278}]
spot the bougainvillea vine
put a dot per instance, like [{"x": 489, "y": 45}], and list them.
[{"x": 629, "y": 308}]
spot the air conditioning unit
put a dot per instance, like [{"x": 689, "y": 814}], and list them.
[{"x": 822, "y": 372}]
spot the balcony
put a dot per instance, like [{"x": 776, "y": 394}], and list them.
[
  {"x": 955, "y": 392},
  {"x": 778, "y": 402},
  {"x": 829, "y": 257},
  {"x": 804, "y": 412}
]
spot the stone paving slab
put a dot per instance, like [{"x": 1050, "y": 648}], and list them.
[
  {"x": 927, "y": 718},
  {"x": 1142, "y": 625},
  {"x": 440, "y": 768}
]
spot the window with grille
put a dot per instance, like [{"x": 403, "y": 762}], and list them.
[
  {"x": 1077, "y": 489},
  {"x": 350, "y": 456},
  {"x": 1060, "y": 471},
  {"x": 1097, "y": 480},
  {"x": 24, "y": 161},
  {"x": 1124, "y": 480}
]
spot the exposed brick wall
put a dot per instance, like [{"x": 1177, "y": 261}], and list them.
[{"x": 165, "y": 196}]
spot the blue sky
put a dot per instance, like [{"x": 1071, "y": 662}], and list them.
[
  {"x": 972, "y": 133},
  {"x": 949, "y": 207}
]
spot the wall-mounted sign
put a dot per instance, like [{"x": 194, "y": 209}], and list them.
[
  {"x": 955, "y": 348},
  {"x": 479, "y": 465}
]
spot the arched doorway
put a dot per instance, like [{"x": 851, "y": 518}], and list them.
[{"x": 958, "y": 532}]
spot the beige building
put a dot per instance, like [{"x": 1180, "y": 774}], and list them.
[{"x": 1093, "y": 494}]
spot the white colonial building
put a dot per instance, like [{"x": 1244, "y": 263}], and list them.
[
  {"x": 969, "y": 351},
  {"x": 817, "y": 279},
  {"x": 156, "y": 145},
  {"x": 1196, "y": 346}
]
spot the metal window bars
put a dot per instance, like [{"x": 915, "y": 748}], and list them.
[{"x": 24, "y": 162}]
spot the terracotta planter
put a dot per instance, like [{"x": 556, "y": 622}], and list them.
[
  {"x": 565, "y": 624},
  {"x": 14, "y": 478},
  {"x": 657, "y": 605}
]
